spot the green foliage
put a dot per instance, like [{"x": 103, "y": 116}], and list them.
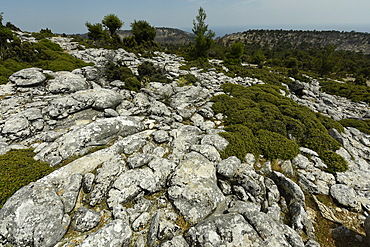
[
  {"x": 242, "y": 141},
  {"x": 200, "y": 63},
  {"x": 44, "y": 54},
  {"x": 117, "y": 72},
  {"x": 43, "y": 34},
  {"x": 133, "y": 84},
  {"x": 276, "y": 146},
  {"x": 113, "y": 23},
  {"x": 235, "y": 54},
  {"x": 129, "y": 42},
  {"x": 95, "y": 31},
  {"x": 361, "y": 125},
  {"x": 258, "y": 58},
  {"x": 276, "y": 124},
  {"x": 122, "y": 73},
  {"x": 313, "y": 59},
  {"x": 203, "y": 36},
  {"x": 264, "y": 75},
  {"x": 5, "y": 34},
  {"x": 12, "y": 26},
  {"x": 1, "y": 18},
  {"x": 330, "y": 123},
  {"x": 188, "y": 79},
  {"x": 348, "y": 90},
  {"x": 148, "y": 70},
  {"x": 334, "y": 161},
  {"x": 18, "y": 168},
  {"x": 143, "y": 32}
]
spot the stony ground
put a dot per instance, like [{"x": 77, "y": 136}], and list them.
[{"x": 158, "y": 179}]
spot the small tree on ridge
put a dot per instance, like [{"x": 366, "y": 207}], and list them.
[
  {"x": 113, "y": 23},
  {"x": 203, "y": 36}
]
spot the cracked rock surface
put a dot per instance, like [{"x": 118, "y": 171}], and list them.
[{"x": 147, "y": 168}]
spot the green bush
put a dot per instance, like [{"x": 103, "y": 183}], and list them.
[
  {"x": 334, "y": 161},
  {"x": 276, "y": 146},
  {"x": 148, "y": 70},
  {"x": 242, "y": 141},
  {"x": 188, "y": 79},
  {"x": 361, "y": 125},
  {"x": 44, "y": 54},
  {"x": 132, "y": 84},
  {"x": 330, "y": 123},
  {"x": 117, "y": 72},
  {"x": 348, "y": 90},
  {"x": 264, "y": 75},
  {"x": 277, "y": 124},
  {"x": 18, "y": 168}
]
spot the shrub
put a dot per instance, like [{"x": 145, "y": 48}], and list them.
[
  {"x": 264, "y": 75},
  {"x": 18, "y": 168},
  {"x": 242, "y": 141},
  {"x": 361, "y": 125},
  {"x": 334, "y": 161},
  {"x": 188, "y": 79},
  {"x": 117, "y": 72},
  {"x": 348, "y": 90},
  {"x": 276, "y": 124},
  {"x": 44, "y": 54},
  {"x": 276, "y": 146},
  {"x": 132, "y": 84},
  {"x": 147, "y": 69}
]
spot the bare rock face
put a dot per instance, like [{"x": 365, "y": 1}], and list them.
[
  {"x": 93, "y": 134},
  {"x": 67, "y": 82},
  {"x": 193, "y": 188},
  {"x": 27, "y": 77},
  {"x": 34, "y": 216},
  {"x": 160, "y": 178},
  {"x": 116, "y": 233}
]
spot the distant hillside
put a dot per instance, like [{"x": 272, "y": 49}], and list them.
[
  {"x": 348, "y": 41},
  {"x": 167, "y": 35}
]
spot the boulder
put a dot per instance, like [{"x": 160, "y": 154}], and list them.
[
  {"x": 28, "y": 77},
  {"x": 67, "y": 82},
  {"x": 17, "y": 125},
  {"x": 85, "y": 219},
  {"x": 33, "y": 216},
  {"x": 115, "y": 233},
  {"x": 225, "y": 230},
  {"x": 93, "y": 134},
  {"x": 193, "y": 188},
  {"x": 99, "y": 98},
  {"x": 345, "y": 195}
]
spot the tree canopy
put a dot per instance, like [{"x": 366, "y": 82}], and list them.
[
  {"x": 203, "y": 36},
  {"x": 112, "y": 22},
  {"x": 95, "y": 31},
  {"x": 143, "y": 31}
]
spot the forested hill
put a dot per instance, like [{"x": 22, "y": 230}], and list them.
[
  {"x": 167, "y": 35},
  {"x": 348, "y": 41}
]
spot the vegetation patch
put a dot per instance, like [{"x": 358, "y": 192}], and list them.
[
  {"x": 361, "y": 125},
  {"x": 260, "y": 120},
  {"x": 18, "y": 168},
  {"x": 148, "y": 70},
  {"x": 269, "y": 77},
  {"x": 44, "y": 54},
  {"x": 186, "y": 80},
  {"x": 349, "y": 90}
]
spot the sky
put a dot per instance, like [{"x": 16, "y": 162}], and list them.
[{"x": 223, "y": 16}]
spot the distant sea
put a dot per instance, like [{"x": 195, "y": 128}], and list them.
[{"x": 221, "y": 31}]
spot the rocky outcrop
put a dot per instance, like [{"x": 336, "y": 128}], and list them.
[
  {"x": 33, "y": 216},
  {"x": 147, "y": 169},
  {"x": 28, "y": 77}
]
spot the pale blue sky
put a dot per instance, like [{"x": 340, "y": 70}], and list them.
[{"x": 67, "y": 16}]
